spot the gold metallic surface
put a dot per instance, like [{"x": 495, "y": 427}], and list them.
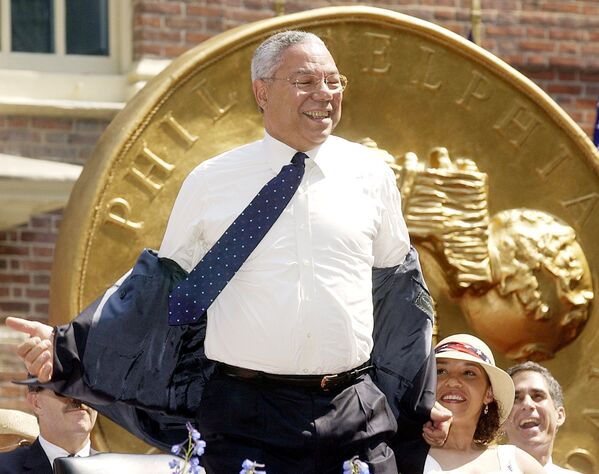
[
  {"x": 542, "y": 286},
  {"x": 445, "y": 205},
  {"x": 521, "y": 268},
  {"x": 413, "y": 87}
]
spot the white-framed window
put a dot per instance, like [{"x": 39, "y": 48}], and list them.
[{"x": 67, "y": 36}]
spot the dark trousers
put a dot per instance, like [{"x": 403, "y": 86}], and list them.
[{"x": 293, "y": 430}]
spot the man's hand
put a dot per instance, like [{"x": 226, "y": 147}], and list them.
[
  {"x": 37, "y": 352},
  {"x": 435, "y": 431}
]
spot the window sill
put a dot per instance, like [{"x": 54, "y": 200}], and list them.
[{"x": 34, "y": 93}]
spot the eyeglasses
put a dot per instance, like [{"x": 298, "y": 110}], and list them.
[
  {"x": 335, "y": 83},
  {"x": 465, "y": 348}
]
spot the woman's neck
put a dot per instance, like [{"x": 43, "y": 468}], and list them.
[{"x": 461, "y": 438}]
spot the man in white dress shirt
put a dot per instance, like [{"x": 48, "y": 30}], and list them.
[
  {"x": 292, "y": 333},
  {"x": 302, "y": 302},
  {"x": 537, "y": 414},
  {"x": 65, "y": 425}
]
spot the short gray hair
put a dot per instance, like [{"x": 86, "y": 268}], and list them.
[
  {"x": 555, "y": 389},
  {"x": 267, "y": 56}
]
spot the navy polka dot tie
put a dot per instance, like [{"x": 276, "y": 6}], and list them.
[{"x": 193, "y": 296}]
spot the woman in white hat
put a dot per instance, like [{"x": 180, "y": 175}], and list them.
[{"x": 480, "y": 397}]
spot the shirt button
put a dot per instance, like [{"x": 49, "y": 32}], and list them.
[
  {"x": 305, "y": 371},
  {"x": 302, "y": 226},
  {"x": 309, "y": 335},
  {"x": 306, "y": 262}
]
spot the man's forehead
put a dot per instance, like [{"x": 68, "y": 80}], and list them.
[
  {"x": 529, "y": 381},
  {"x": 309, "y": 55},
  {"x": 315, "y": 69}
]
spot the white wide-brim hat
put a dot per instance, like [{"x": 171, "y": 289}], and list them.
[
  {"x": 15, "y": 422},
  {"x": 472, "y": 349}
]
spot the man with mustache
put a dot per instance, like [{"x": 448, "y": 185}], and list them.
[
  {"x": 537, "y": 414},
  {"x": 65, "y": 426}
]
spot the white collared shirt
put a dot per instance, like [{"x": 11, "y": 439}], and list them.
[
  {"x": 551, "y": 468},
  {"x": 302, "y": 302},
  {"x": 52, "y": 451}
]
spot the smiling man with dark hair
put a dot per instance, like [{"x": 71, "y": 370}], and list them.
[{"x": 537, "y": 414}]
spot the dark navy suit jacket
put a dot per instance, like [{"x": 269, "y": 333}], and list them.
[
  {"x": 26, "y": 459},
  {"x": 148, "y": 377}
]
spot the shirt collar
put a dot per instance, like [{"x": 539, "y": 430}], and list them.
[
  {"x": 278, "y": 154},
  {"x": 52, "y": 451},
  {"x": 324, "y": 157}
]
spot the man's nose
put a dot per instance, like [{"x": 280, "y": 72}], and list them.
[
  {"x": 322, "y": 90},
  {"x": 527, "y": 402}
]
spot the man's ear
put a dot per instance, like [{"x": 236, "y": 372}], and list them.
[
  {"x": 260, "y": 89},
  {"x": 33, "y": 401},
  {"x": 561, "y": 416}
]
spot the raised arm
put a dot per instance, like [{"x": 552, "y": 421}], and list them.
[{"x": 37, "y": 352}]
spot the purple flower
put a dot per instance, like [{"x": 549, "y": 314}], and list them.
[
  {"x": 249, "y": 467},
  {"x": 355, "y": 466},
  {"x": 190, "y": 451},
  {"x": 200, "y": 446},
  {"x": 194, "y": 465},
  {"x": 195, "y": 434},
  {"x": 176, "y": 449}
]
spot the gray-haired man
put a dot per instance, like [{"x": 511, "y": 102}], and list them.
[{"x": 291, "y": 337}]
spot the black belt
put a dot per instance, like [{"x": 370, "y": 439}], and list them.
[{"x": 315, "y": 382}]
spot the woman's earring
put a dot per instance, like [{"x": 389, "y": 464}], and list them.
[{"x": 486, "y": 410}]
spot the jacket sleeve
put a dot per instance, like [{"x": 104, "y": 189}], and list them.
[
  {"x": 404, "y": 362},
  {"x": 121, "y": 357},
  {"x": 408, "y": 444}
]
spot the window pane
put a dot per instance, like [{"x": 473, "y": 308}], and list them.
[
  {"x": 32, "y": 26},
  {"x": 87, "y": 27}
]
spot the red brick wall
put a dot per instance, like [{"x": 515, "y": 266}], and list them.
[
  {"x": 26, "y": 251},
  {"x": 12, "y": 396},
  {"x": 50, "y": 138},
  {"x": 26, "y": 254}
]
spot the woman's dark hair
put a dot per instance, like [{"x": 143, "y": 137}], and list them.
[{"x": 487, "y": 427}]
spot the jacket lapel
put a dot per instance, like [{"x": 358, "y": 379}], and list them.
[{"x": 37, "y": 462}]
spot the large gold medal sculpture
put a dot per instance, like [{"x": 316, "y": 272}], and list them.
[{"x": 500, "y": 188}]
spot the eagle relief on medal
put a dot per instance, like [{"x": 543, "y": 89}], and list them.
[{"x": 520, "y": 275}]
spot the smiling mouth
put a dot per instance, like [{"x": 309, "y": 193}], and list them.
[
  {"x": 316, "y": 114},
  {"x": 528, "y": 423},
  {"x": 452, "y": 398}
]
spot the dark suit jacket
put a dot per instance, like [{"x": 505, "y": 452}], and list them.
[
  {"x": 26, "y": 459},
  {"x": 148, "y": 377}
]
